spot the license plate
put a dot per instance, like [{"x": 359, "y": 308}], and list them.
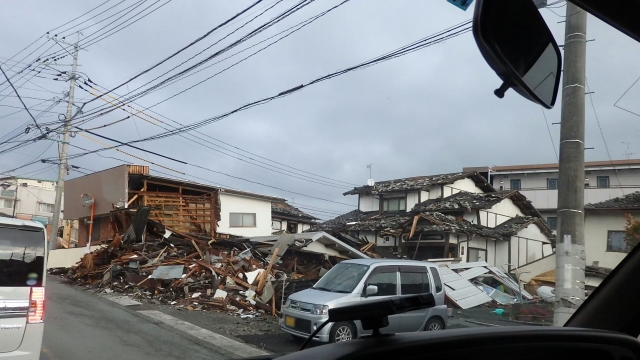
[{"x": 290, "y": 321}]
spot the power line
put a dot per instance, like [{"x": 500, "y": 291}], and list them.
[
  {"x": 546, "y": 122},
  {"x": 270, "y": 166},
  {"x": 18, "y": 95},
  {"x": 183, "y": 49},
  {"x": 91, "y": 18},
  {"x": 176, "y": 78},
  {"x": 414, "y": 46},
  {"x": 74, "y": 19},
  {"x": 602, "y": 133}
]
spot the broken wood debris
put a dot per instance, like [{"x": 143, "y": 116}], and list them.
[{"x": 188, "y": 271}]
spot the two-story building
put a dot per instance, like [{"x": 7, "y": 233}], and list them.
[
  {"x": 28, "y": 199},
  {"x": 285, "y": 217},
  {"x": 180, "y": 204},
  {"x": 603, "y": 180},
  {"x": 457, "y": 216}
]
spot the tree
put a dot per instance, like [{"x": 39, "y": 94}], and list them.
[{"x": 632, "y": 231}]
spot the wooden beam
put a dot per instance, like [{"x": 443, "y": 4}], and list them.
[
  {"x": 132, "y": 199},
  {"x": 265, "y": 274},
  {"x": 413, "y": 226}
]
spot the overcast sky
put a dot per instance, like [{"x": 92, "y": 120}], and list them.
[{"x": 430, "y": 112}]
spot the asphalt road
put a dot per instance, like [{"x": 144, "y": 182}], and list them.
[{"x": 81, "y": 326}]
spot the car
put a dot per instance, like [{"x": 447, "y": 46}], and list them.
[
  {"x": 360, "y": 281},
  {"x": 23, "y": 253}
]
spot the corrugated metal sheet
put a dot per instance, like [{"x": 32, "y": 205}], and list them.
[
  {"x": 460, "y": 291},
  {"x": 473, "y": 272},
  {"x": 468, "y": 265},
  {"x": 508, "y": 281}
]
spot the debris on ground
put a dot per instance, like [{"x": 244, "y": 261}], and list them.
[{"x": 243, "y": 277}]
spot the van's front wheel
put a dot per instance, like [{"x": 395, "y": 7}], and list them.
[{"x": 342, "y": 331}]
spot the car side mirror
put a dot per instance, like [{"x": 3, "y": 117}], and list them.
[
  {"x": 371, "y": 290},
  {"x": 517, "y": 44}
]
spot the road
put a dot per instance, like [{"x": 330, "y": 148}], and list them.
[{"x": 80, "y": 325}]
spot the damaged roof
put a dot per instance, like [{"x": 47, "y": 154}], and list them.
[
  {"x": 421, "y": 183},
  {"x": 341, "y": 221},
  {"x": 512, "y": 226},
  {"x": 631, "y": 201},
  {"x": 476, "y": 201},
  {"x": 442, "y": 222},
  {"x": 381, "y": 222},
  {"x": 287, "y": 211}
]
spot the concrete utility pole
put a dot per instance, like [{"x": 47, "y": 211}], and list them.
[
  {"x": 53, "y": 238},
  {"x": 570, "y": 254}
]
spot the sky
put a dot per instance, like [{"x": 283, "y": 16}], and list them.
[{"x": 432, "y": 111}]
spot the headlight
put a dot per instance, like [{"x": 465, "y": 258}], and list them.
[
  {"x": 320, "y": 310},
  {"x": 287, "y": 302}
]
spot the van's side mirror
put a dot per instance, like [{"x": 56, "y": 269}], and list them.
[
  {"x": 371, "y": 290},
  {"x": 517, "y": 44}
]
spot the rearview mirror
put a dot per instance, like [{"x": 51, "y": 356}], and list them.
[
  {"x": 517, "y": 44},
  {"x": 371, "y": 290}
]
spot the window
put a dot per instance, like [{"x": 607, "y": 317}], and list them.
[
  {"x": 516, "y": 184},
  {"x": 242, "y": 220},
  {"x": 616, "y": 242},
  {"x": 292, "y": 227},
  {"x": 552, "y": 184},
  {"x": 395, "y": 204},
  {"x": 552, "y": 221},
  {"x": 414, "y": 280},
  {"x": 46, "y": 208},
  {"x": 8, "y": 193},
  {"x": 386, "y": 280},
  {"x": 436, "y": 279},
  {"x": 276, "y": 225},
  {"x": 342, "y": 278},
  {"x": 6, "y": 203},
  {"x": 603, "y": 182},
  {"x": 22, "y": 256}
]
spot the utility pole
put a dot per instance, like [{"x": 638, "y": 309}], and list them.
[
  {"x": 570, "y": 253},
  {"x": 53, "y": 239}
]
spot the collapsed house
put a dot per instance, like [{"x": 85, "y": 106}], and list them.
[
  {"x": 181, "y": 205},
  {"x": 452, "y": 216}
]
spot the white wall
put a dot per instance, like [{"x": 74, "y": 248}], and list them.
[
  {"x": 28, "y": 197},
  {"x": 435, "y": 192},
  {"x": 529, "y": 245},
  {"x": 534, "y": 185},
  {"x": 284, "y": 223},
  {"x": 369, "y": 203},
  {"x": 462, "y": 185},
  {"x": 412, "y": 199},
  {"x": 596, "y": 227},
  {"x": 424, "y": 195},
  {"x": 231, "y": 203},
  {"x": 507, "y": 210}
]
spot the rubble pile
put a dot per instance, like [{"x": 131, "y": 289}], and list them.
[{"x": 187, "y": 271}]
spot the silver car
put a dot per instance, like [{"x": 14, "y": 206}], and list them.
[
  {"x": 355, "y": 281},
  {"x": 23, "y": 248}
]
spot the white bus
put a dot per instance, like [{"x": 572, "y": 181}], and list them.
[{"x": 23, "y": 252}]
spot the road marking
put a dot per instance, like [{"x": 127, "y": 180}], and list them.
[
  {"x": 224, "y": 342},
  {"x": 120, "y": 299}
]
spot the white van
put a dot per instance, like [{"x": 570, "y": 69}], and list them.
[
  {"x": 356, "y": 281},
  {"x": 23, "y": 255}
]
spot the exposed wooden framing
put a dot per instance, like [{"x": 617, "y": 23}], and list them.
[
  {"x": 413, "y": 226},
  {"x": 132, "y": 199}
]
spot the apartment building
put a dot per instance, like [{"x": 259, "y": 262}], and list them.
[
  {"x": 28, "y": 199},
  {"x": 603, "y": 180}
]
